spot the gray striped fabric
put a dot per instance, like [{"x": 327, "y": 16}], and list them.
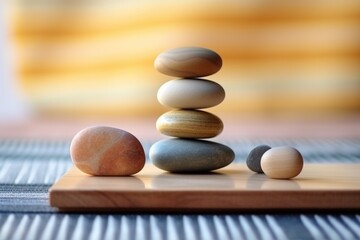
[{"x": 29, "y": 167}]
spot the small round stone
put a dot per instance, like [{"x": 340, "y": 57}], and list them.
[
  {"x": 189, "y": 155},
  {"x": 254, "y": 158},
  {"x": 107, "y": 151},
  {"x": 190, "y": 94},
  {"x": 188, "y": 62},
  {"x": 189, "y": 124},
  {"x": 282, "y": 162}
]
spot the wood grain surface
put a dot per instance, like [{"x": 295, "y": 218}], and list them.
[{"x": 234, "y": 188}]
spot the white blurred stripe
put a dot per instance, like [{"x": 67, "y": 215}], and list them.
[
  {"x": 141, "y": 227},
  {"x": 50, "y": 171},
  {"x": 172, "y": 230},
  {"x": 155, "y": 228},
  {"x": 341, "y": 228},
  {"x": 49, "y": 175},
  {"x": 206, "y": 228},
  {"x": 276, "y": 228},
  {"x": 36, "y": 147},
  {"x": 327, "y": 228},
  {"x": 4, "y": 172},
  {"x": 112, "y": 229},
  {"x": 221, "y": 227},
  {"x": 48, "y": 229},
  {"x": 21, "y": 228},
  {"x": 36, "y": 225},
  {"x": 24, "y": 170},
  {"x": 355, "y": 227},
  {"x": 32, "y": 172},
  {"x": 261, "y": 226},
  {"x": 233, "y": 226},
  {"x": 79, "y": 229},
  {"x": 36, "y": 174},
  {"x": 314, "y": 230},
  {"x": 191, "y": 229},
  {"x": 64, "y": 229},
  {"x": 6, "y": 229},
  {"x": 248, "y": 229},
  {"x": 97, "y": 228}
]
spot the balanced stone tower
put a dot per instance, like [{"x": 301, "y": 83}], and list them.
[{"x": 187, "y": 151}]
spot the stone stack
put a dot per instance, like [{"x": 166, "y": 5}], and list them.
[{"x": 186, "y": 151}]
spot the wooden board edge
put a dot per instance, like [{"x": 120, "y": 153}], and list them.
[{"x": 219, "y": 200}]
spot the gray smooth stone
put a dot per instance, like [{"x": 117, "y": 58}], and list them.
[
  {"x": 189, "y": 155},
  {"x": 254, "y": 158}
]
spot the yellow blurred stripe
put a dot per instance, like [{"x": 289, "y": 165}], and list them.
[
  {"x": 239, "y": 69},
  {"x": 294, "y": 41},
  {"x": 270, "y": 86},
  {"x": 89, "y": 17},
  {"x": 96, "y": 57},
  {"x": 317, "y": 69}
]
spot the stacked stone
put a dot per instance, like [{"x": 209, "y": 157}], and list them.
[{"x": 187, "y": 151}]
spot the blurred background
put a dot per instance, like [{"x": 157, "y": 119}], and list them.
[{"x": 95, "y": 58}]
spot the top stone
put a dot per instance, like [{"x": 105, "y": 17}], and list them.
[{"x": 188, "y": 62}]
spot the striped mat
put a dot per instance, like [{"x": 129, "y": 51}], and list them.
[{"x": 29, "y": 167}]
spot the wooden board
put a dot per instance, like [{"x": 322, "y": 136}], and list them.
[{"x": 318, "y": 187}]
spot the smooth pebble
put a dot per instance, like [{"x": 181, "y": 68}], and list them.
[
  {"x": 254, "y": 158},
  {"x": 105, "y": 150},
  {"x": 282, "y": 162},
  {"x": 190, "y": 94},
  {"x": 188, "y": 62},
  {"x": 189, "y": 124},
  {"x": 189, "y": 155}
]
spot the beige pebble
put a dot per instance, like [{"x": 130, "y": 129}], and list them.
[
  {"x": 108, "y": 151},
  {"x": 189, "y": 124},
  {"x": 190, "y": 93},
  {"x": 282, "y": 162},
  {"x": 188, "y": 62}
]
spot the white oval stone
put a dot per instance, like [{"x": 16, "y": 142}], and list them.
[
  {"x": 282, "y": 162},
  {"x": 188, "y": 62},
  {"x": 190, "y": 94}
]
